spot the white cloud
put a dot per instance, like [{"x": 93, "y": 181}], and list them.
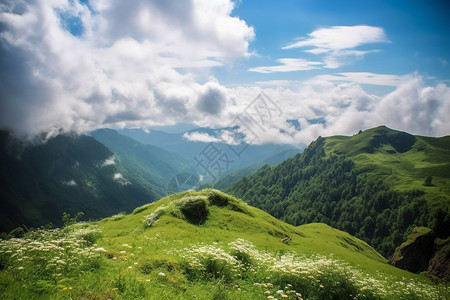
[
  {"x": 335, "y": 38},
  {"x": 334, "y": 45},
  {"x": 200, "y": 137},
  {"x": 110, "y": 161},
  {"x": 288, "y": 65},
  {"x": 124, "y": 70},
  {"x": 124, "y": 67},
  {"x": 360, "y": 77},
  {"x": 326, "y": 107},
  {"x": 120, "y": 179},
  {"x": 71, "y": 182}
]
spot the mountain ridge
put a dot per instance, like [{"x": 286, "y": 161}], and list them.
[{"x": 337, "y": 175}]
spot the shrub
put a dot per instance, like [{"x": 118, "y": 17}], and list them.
[{"x": 195, "y": 209}]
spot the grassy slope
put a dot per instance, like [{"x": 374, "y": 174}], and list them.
[
  {"x": 402, "y": 170},
  {"x": 135, "y": 256}
]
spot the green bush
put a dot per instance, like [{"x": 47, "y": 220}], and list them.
[{"x": 195, "y": 209}]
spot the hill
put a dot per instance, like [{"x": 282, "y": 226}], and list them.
[
  {"x": 204, "y": 245},
  {"x": 150, "y": 165},
  {"x": 238, "y": 156},
  {"x": 372, "y": 185},
  {"x": 67, "y": 173}
]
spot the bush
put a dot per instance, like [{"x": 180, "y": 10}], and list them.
[{"x": 195, "y": 209}]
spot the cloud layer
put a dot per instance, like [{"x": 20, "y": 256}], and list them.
[
  {"x": 76, "y": 67},
  {"x": 70, "y": 65}
]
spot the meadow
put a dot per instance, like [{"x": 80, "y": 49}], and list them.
[{"x": 229, "y": 250}]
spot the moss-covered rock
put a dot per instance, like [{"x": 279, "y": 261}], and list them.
[{"x": 414, "y": 254}]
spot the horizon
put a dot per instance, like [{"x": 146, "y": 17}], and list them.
[{"x": 285, "y": 73}]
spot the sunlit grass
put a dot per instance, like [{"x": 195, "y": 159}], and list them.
[{"x": 236, "y": 253}]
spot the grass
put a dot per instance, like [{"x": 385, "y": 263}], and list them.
[
  {"x": 375, "y": 150},
  {"x": 236, "y": 252}
]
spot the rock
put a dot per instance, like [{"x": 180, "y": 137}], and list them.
[
  {"x": 286, "y": 240},
  {"x": 440, "y": 263},
  {"x": 415, "y": 254}
]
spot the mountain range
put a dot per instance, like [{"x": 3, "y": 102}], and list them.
[
  {"x": 100, "y": 174},
  {"x": 377, "y": 185}
]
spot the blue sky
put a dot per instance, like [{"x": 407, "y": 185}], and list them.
[
  {"x": 78, "y": 65},
  {"x": 417, "y": 33}
]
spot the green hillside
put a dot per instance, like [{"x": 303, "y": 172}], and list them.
[
  {"x": 371, "y": 185},
  {"x": 150, "y": 165},
  {"x": 201, "y": 245},
  {"x": 231, "y": 178},
  {"x": 68, "y": 173}
]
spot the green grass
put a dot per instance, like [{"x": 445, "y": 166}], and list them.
[
  {"x": 403, "y": 170},
  {"x": 235, "y": 252}
]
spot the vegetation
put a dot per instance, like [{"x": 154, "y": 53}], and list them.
[
  {"x": 236, "y": 252},
  {"x": 369, "y": 185},
  {"x": 67, "y": 173}
]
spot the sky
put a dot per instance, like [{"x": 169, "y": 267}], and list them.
[{"x": 279, "y": 71}]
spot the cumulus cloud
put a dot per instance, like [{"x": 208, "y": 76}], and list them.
[
  {"x": 77, "y": 66},
  {"x": 200, "y": 137},
  {"x": 329, "y": 107},
  {"x": 212, "y": 100},
  {"x": 335, "y": 46}
]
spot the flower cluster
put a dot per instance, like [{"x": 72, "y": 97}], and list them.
[
  {"x": 290, "y": 275},
  {"x": 51, "y": 254}
]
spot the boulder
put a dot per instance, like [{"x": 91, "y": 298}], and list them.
[{"x": 415, "y": 254}]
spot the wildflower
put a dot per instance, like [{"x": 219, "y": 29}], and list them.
[
  {"x": 161, "y": 274},
  {"x": 101, "y": 249},
  {"x": 20, "y": 268},
  {"x": 123, "y": 252},
  {"x": 130, "y": 267},
  {"x": 279, "y": 292},
  {"x": 267, "y": 292}
]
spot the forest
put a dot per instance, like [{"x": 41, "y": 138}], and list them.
[{"x": 331, "y": 189}]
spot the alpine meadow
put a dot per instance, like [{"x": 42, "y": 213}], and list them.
[{"x": 224, "y": 149}]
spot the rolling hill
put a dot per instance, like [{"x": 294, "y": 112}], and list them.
[
  {"x": 201, "y": 245},
  {"x": 377, "y": 185}
]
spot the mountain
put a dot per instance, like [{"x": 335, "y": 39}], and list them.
[
  {"x": 67, "y": 173},
  {"x": 377, "y": 185},
  {"x": 150, "y": 165},
  {"x": 229, "y": 179},
  {"x": 235, "y": 157},
  {"x": 201, "y": 245}
]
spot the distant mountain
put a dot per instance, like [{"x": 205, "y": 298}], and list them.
[
  {"x": 377, "y": 185},
  {"x": 229, "y": 179},
  {"x": 150, "y": 165},
  {"x": 67, "y": 173},
  {"x": 238, "y": 156}
]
